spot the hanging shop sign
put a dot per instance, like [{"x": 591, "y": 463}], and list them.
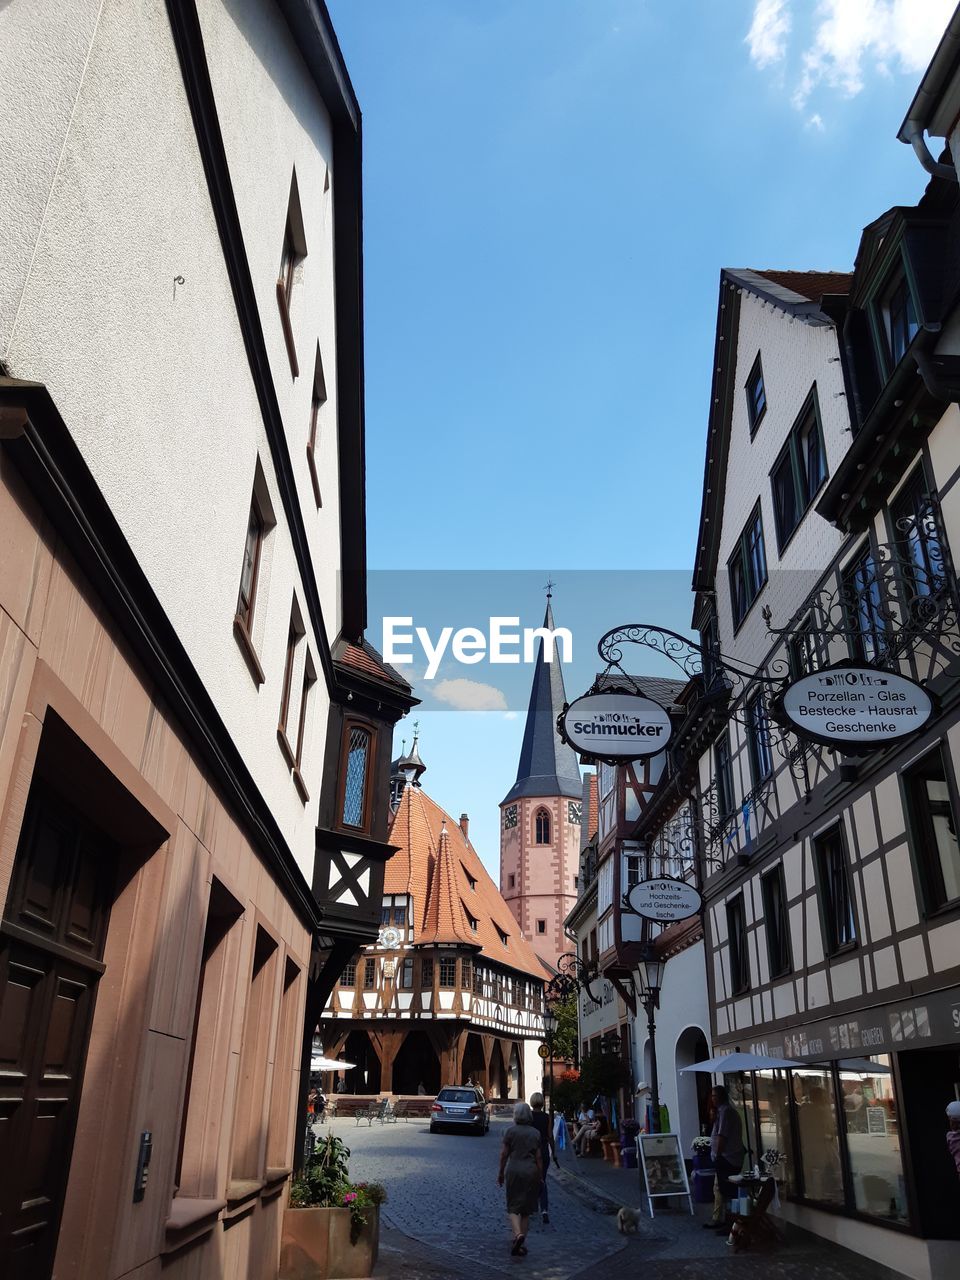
[
  {"x": 615, "y": 727},
  {"x": 855, "y": 706},
  {"x": 664, "y": 899}
]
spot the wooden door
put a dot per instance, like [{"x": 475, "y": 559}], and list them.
[{"x": 51, "y": 949}]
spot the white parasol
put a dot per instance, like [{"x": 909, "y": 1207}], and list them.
[
  {"x": 319, "y": 1063},
  {"x": 727, "y": 1063}
]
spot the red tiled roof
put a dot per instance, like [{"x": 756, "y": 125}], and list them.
[
  {"x": 435, "y": 868},
  {"x": 351, "y": 655},
  {"x": 811, "y": 284}
]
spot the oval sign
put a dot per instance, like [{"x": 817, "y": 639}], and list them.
[
  {"x": 856, "y": 706},
  {"x": 665, "y": 899},
  {"x": 615, "y": 726}
]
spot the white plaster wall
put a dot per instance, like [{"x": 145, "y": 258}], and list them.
[
  {"x": 153, "y": 382},
  {"x": 794, "y": 355},
  {"x": 683, "y": 1004},
  {"x": 273, "y": 121}
]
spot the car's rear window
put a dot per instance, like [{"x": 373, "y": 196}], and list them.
[{"x": 456, "y": 1095}]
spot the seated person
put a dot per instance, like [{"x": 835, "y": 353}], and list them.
[{"x": 588, "y": 1130}]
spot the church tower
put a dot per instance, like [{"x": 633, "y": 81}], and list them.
[{"x": 540, "y": 818}]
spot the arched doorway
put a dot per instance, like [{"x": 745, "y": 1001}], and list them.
[
  {"x": 514, "y": 1075},
  {"x": 364, "y": 1076},
  {"x": 693, "y": 1087},
  {"x": 498, "y": 1075},
  {"x": 472, "y": 1067},
  {"x": 416, "y": 1064}
]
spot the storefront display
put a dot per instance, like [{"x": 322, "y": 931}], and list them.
[
  {"x": 873, "y": 1137},
  {"x": 818, "y": 1133}
]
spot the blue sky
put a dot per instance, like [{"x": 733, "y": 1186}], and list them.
[{"x": 551, "y": 188}]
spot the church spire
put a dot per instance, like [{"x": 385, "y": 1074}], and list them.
[{"x": 548, "y": 766}]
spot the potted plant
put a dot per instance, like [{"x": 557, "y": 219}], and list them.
[
  {"x": 702, "y": 1159},
  {"x": 331, "y": 1227}
]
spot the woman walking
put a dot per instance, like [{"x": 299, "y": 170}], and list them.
[
  {"x": 522, "y": 1170},
  {"x": 548, "y": 1148}
]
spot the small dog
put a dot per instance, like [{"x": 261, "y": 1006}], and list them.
[{"x": 627, "y": 1219}]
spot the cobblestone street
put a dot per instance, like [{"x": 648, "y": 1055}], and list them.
[{"x": 445, "y": 1220}]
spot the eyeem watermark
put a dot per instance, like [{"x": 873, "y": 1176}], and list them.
[{"x": 502, "y": 643}]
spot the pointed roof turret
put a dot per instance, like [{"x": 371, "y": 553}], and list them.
[{"x": 548, "y": 766}]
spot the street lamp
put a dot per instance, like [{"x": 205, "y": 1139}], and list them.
[
  {"x": 550, "y": 1024},
  {"x": 651, "y": 980}
]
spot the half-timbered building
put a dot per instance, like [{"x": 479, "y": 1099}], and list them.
[
  {"x": 832, "y": 879},
  {"x": 451, "y": 990}
]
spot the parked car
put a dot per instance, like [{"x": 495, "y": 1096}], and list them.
[{"x": 461, "y": 1107}]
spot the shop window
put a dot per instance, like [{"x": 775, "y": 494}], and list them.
[
  {"x": 542, "y": 827},
  {"x": 799, "y": 471},
  {"x": 737, "y": 944},
  {"x": 448, "y": 971},
  {"x": 933, "y": 829},
  {"x": 406, "y": 974},
  {"x": 723, "y": 772},
  {"x": 426, "y": 974},
  {"x": 872, "y": 1125},
  {"x": 862, "y": 598},
  {"x": 756, "y": 395},
  {"x": 917, "y": 535},
  {"x": 747, "y": 567},
  {"x": 758, "y": 740},
  {"x": 776, "y": 1128},
  {"x": 818, "y": 1134},
  {"x": 369, "y": 974},
  {"x": 833, "y": 882},
  {"x": 777, "y": 923}
]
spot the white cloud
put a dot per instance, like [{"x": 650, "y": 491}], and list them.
[
  {"x": 768, "y": 32},
  {"x": 470, "y": 695},
  {"x": 848, "y": 41},
  {"x": 816, "y": 122}
]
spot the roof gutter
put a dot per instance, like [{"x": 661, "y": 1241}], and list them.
[{"x": 930, "y": 99}]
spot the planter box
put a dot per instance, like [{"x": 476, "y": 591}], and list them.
[{"x": 316, "y": 1245}]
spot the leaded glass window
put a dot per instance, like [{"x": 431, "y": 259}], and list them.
[{"x": 355, "y": 781}]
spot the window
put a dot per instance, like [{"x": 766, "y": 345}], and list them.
[
  {"x": 406, "y": 974},
  {"x": 916, "y": 532},
  {"x": 369, "y": 974},
  {"x": 933, "y": 829},
  {"x": 400, "y": 916},
  {"x": 471, "y": 880},
  {"x": 836, "y": 904},
  {"x": 863, "y": 606},
  {"x": 353, "y": 810},
  {"x": 576, "y": 882},
  {"x": 281, "y": 1117},
  {"x": 631, "y": 871},
  {"x": 803, "y": 650},
  {"x": 293, "y": 251},
  {"x": 723, "y": 771},
  {"x": 899, "y": 319},
  {"x": 251, "y": 565},
  {"x": 799, "y": 471},
  {"x": 478, "y": 982},
  {"x": 543, "y": 827},
  {"x": 756, "y": 395},
  {"x": 747, "y": 567},
  {"x": 818, "y": 1134},
  {"x": 385, "y": 913},
  {"x": 295, "y": 633},
  {"x": 775, "y": 916},
  {"x": 541, "y": 926},
  {"x": 426, "y": 974},
  {"x": 254, "y": 1060},
  {"x": 317, "y": 401},
  {"x": 511, "y": 881},
  {"x": 758, "y": 740},
  {"x": 737, "y": 943},
  {"x": 349, "y": 976},
  {"x": 501, "y": 933},
  {"x": 471, "y": 920},
  {"x": 448, "y": 971},
  {"x": 309, "y": 680}
]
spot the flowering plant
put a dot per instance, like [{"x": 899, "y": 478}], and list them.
[
  {"x": 700, "y": 1146},
  {"x": 325, "y": 1184}
]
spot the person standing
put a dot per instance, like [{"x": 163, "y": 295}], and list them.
[
  {"x": 953, "y": 1133},
  {"x": 727, "y": 1149},
  {"x": 541, "y": 1122},
  {"x": 522, "y": 1171}
]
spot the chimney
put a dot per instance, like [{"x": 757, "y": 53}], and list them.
[{"x": 465, "y": 826}]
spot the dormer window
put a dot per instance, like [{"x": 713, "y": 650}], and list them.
[
  {"x": 899, "y": 318},
  {"x": 500, "y": 933},
  {"x": 756, "y": 395}
]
